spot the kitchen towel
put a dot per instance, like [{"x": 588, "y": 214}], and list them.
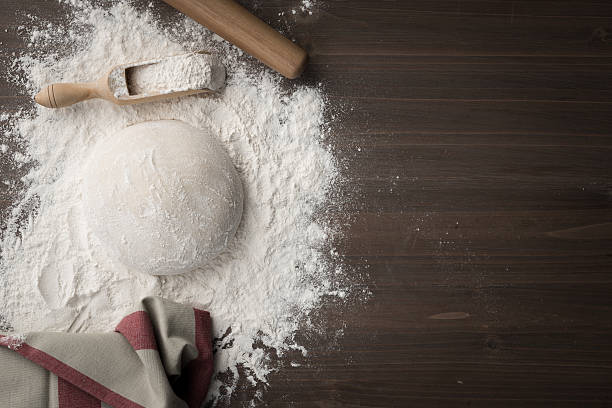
[{"x": 159, "y": 356}]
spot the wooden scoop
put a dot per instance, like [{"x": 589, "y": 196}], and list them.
[{"x": 113, "y": 87}]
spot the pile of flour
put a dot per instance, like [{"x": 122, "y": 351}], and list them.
[{"x": 280, "y": 266}]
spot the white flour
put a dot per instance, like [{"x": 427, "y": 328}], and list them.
[
  {"x": 307, "y": 6},
  {"x": 279, "y": 267},
  {"x": 13, "y": 341},
  {"x": 177, "y": 73}
]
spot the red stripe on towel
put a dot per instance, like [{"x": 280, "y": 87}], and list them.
[
  {"x": 198, "y": 372},
  {"x": 138, "y": 330},
  {"x": 75, "y": 377},
  {"x": 70, "y": 396}
]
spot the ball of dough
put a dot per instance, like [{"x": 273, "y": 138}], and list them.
[{"x": 163, "y": 197}]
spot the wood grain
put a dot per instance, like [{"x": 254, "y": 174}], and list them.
[{"x": 477, "y": 138}]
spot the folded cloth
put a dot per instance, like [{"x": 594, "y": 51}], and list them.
[{"x": 159, "y": 356}]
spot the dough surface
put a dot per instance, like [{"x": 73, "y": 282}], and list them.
[{"x": 163, "y": 197}]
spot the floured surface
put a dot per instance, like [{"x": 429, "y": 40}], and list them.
[{"x": 279, "y": 267}]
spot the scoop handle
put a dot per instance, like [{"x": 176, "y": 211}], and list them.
[
  {"x": 237, "y": 25},
  {"x": 62, "y": 95}
]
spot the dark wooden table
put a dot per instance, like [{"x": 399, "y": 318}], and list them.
[{"x": 479, "y": 153}]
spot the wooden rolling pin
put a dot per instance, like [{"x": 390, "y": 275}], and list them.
[
  {"x": 114, "y": 87},
  {"x": 238, "y": 26}
]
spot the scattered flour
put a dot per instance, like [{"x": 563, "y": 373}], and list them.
[
  {"x": 13, "y": 341},
  {"x": 307, "y": 6},
  {"x": 276, "y": 271}
]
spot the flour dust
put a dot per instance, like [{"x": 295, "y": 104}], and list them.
[{"x": 279, "y": 268}]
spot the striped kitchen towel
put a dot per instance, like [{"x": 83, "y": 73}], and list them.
[{"x": 159, "y": 356}]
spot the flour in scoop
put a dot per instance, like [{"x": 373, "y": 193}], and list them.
[
  {"x": 186, "y": 72},
  {"x": 175, "y": 74},
  {"x": 273, "y": 277}
]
